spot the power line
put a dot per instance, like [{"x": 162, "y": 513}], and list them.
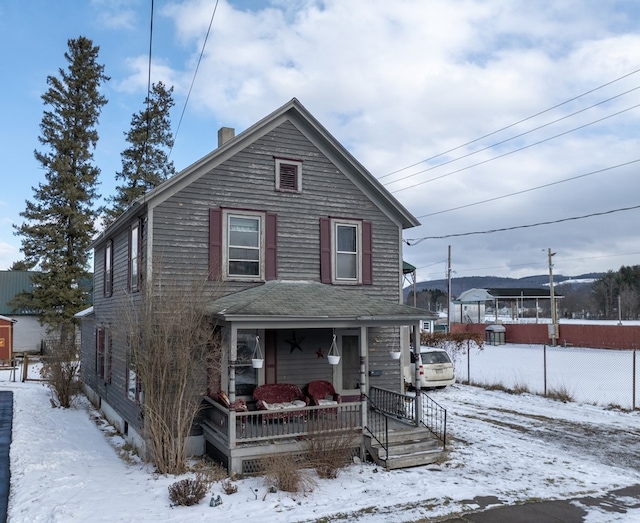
[
  {"x": 193, "y": 80},
  {"x": 416, "y": 241},
  {"x": 513, "y": 137},
  {"x": 530, "y": 189},
  {"x": 513, "y": 124},
  {"x": 515, "y": 150},
  {"x": 558, "y": 261}
]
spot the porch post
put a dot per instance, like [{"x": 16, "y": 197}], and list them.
[
  {"x": 364, "y": 385},
  {"x": 418, "y": 358},
  {"x": 233, "y": 357}
]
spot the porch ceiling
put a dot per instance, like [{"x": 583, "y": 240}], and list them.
[{"x": 306, "y": 301}]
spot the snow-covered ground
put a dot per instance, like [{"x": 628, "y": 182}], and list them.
[
  {"x": 599, "y": 376},
  {"x": 66, "y": 466}
]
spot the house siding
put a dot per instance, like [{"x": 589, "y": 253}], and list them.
[
  {"x": 108, "y": 314},
  {"x": 247, "y": 181},
  {"x": 178, "y": 226}
]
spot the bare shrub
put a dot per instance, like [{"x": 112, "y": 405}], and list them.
[
  {"x": 229, "y": 488},
  {"x": 188, "y": 491},
  {"x": 284, "y": 472},
  {"x": 560, "y": 393},
  {"x": 521, "y": 388},
  {"x": 61, "y": 369},
  {"x": 172, "y": 343},
  {"x": 330, "y": 451}
]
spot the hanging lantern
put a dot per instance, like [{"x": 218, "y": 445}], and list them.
[
  {"x": 333, "y": 356},
  {"x": 257, "y": 358}
]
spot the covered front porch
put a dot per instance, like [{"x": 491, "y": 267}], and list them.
[{"x": 293, "y": 327}]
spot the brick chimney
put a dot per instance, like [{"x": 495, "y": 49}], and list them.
[{"x": 225, "y": 134}]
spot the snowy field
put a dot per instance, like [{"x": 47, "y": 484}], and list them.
[
  {"x": 598, "y": 376},
  {"x": 66, "y": 466}
]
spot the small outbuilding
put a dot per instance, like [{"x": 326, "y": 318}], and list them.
[
  {"x": 6, "y": 339},
  {"x": 495, "y": 335}
]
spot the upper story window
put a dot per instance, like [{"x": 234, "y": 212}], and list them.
[
  {"x": 108, "y": 269},
  {"x": 242, "y": 245},
  {"x": 288, "y": 175},
  {"x": 346, "y": 251},
  {"x": 134, "y": 256}
]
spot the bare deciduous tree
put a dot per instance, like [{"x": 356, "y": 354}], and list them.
[{"x": 172, "y": 344}]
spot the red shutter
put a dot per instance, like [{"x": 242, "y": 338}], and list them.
[
  {"x": 367, "y": 254},
  {"x": 325, "y": 250},
  {"x": 215, "y": 244},
  {"x": 271, "y": 247}
]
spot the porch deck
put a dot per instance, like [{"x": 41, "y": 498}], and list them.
[{"x": 240, "y": 440}]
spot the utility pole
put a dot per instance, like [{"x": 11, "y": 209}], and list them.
[
  {"x": 554, "y": 318},
  {"x": 449, "y": 290}
]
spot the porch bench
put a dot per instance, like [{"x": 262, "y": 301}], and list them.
[{"x": 280, "y": 401}]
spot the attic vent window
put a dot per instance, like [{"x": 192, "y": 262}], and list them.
[{"x": 288, "y": 175}]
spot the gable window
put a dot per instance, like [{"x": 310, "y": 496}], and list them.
[
  {"x": 346, "y": 251},
  {"x": 134, "y": 257},
  {"x": 242, "y": 245},
  {"x": 108, "y": 269},
  {"x": 288, "y": 175}
]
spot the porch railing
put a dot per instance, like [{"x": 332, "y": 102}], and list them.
[
  {"x": 403, "y": 406},
  {"x": 235, "y": 428},
  {"x": 377, "y": 424}
]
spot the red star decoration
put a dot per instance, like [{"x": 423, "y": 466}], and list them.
[{"x": 319, "y": 353}]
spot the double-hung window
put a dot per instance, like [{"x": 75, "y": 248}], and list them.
[
  {"x": 242, "y": 244},
  {"x": 108, "y": 269},
  {"x": 346, "y": 251},
  {"x": 134, "y": 256}
]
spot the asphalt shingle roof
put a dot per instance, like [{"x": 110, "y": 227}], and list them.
[{"x": 302, "y": 299}]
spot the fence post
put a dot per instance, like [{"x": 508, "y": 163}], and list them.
[
  {"x": 633, "y": 384},
  {"x": 468, "y": 365},
  {"x": 544, "y": 364}
]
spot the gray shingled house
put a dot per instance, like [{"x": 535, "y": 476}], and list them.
[{"x": 305, "y": 247}]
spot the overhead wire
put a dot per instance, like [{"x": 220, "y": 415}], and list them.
[
  {"x": 531, "y": 189},
  {"x": 513, "y": 124},
  {"x": 195, "y": 73},
  {"x": 508, "y": 153},
  {"x": 512, "y": 137},
  {"x": 416, "y": 241}
]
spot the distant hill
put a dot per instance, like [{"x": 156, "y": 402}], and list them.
[{"x": 459, "y": 285}]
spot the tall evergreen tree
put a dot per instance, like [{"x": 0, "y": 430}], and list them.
[
  {"x": 145, "y": 163},
  {"x": 59, "y": 222}
]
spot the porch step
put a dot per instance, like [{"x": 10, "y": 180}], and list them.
[{"x": 407, "y": 447}]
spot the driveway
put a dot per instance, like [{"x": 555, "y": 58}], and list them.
[{"x": 6, "y": 422}]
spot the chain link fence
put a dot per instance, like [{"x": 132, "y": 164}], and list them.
[{"x": 597, "y": 376}]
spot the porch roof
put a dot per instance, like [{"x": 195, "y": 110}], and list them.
[{"x": 304, "y": 302}]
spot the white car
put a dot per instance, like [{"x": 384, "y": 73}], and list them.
[{"x": 436, "y": 369}]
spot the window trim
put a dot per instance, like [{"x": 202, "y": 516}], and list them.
[
  {"x": 279, "y": 162},
  {"x": 133, "y": 283},
  {"x": 227, "y": 214},
  {"x": 108, "y": 269},
  {"x": 328, "y": 251},
  {"x": 357, "y": 225}
]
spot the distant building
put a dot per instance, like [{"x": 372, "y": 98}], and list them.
[{"x": 27, "y": 331}]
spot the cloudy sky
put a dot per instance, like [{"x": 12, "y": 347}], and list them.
[{"x": 507, "y": 127}]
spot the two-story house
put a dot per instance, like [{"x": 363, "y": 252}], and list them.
[{"x": 305, "y": 247}]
